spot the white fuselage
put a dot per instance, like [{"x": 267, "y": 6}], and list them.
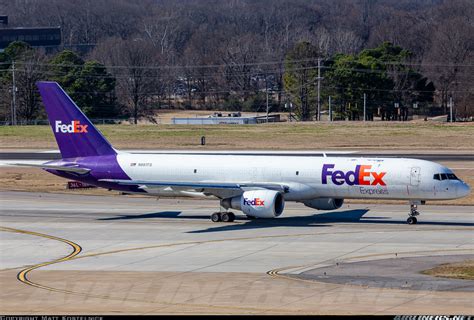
[{"x": 307, "y": 177}]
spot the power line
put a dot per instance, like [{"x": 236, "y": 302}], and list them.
[
  {"x": 279, "y": 62},
  {"x": 255, "y": 90},
  {"x": 233, "y": 74},
  {"x": 216, "y": 75}
]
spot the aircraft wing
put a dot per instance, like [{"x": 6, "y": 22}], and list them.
[
  {"x": 218, "y": 189},
  {"x": 73, "y": 169}
]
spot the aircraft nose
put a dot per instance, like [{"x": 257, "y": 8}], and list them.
[{"x": 463, "y": 190}]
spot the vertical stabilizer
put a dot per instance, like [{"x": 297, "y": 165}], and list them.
[{"x": 75, "y": 134}]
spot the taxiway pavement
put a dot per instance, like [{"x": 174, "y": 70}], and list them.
[{"x": 67, "y": 253}]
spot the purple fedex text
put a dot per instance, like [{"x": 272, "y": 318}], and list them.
[{"x": 360, "y": 176}]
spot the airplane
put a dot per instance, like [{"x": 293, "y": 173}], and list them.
[{"x": 256, "y": 184}]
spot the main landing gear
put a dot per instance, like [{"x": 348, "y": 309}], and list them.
[
  {"x": 413, "y": 213},
  {"x": 223, "y": 216}
]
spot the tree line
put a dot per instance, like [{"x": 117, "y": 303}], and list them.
[{"x": 132, "y": 58}]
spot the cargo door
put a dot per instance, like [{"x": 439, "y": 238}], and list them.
[{"x": 415, "y": 176}]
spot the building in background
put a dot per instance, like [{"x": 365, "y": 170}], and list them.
[{"x": 46, "y": 37}]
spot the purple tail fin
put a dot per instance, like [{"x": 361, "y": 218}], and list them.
[{"x": 75, "y": 134}]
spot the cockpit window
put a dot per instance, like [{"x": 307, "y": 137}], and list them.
[
  {"x": 445, "y": 176},
  {"x": 452, "y": 176}
]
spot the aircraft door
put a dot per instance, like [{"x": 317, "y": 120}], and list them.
[{"x": 415, "y": 176}]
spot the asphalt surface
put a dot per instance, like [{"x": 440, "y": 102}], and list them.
[
  {"x": 394, "y": 273},
  {"x": 115, "y": 254},
  {"x": 424, "y": 156}
]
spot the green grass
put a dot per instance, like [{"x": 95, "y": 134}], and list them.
[{"x": 26, "y": 131}]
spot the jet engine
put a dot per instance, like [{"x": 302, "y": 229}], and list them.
[
  {"x": 257, "y": 203},
  {"x": 324, "y": 203}
]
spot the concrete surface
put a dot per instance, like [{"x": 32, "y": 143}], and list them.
[{"x": 111, "y": 254}]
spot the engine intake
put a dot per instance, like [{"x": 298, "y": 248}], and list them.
[
  {"x": 257, "y": 203},
  {"x": 324, "y": 203}
]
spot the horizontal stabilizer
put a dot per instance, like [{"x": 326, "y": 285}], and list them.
[{"x": 74, "y": 169}]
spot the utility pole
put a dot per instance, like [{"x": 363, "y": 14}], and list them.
[
  {"x": 266, "y": 90},
  {"x": 291, "y": 107},
  {"x": 365, "y": 99},
  {"x": 451, "y": 109},
  {"x": 330, "y": 109},
  {"x": 318, "y": 114},
  {"x": 288, "y": 106},
  {"x": 13, "y": 95}
]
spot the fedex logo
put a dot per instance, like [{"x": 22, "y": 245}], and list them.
[
  {"x": 360, "y": 176},
  {"x": 257, "y": 202},
  {"x": 74, "y": 127}
]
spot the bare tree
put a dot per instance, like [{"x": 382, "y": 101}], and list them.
[
  {"x": 135, "y": 64},
  {"x": 239, "y": 56},
  {"x": 200, "y": 66},
  {"x": 450, "y": 56},
  {"x": 30, "y": 71},
  {"x": 28, "y": 67},
  {"x": 246, "y": 36}
]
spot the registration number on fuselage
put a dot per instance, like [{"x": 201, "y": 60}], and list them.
[{"x": 141, "y": 164}]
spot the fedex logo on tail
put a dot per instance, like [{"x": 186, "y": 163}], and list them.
[
  {"x": 360, "y": 176},
  {"x": 257, "y": 202},
  {"x": 74, "y": 127}
]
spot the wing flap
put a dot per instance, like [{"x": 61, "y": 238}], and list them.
[{"x": 213, "y": 187}]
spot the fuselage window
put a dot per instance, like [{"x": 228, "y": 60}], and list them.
[
  {"x": 436, "y": 177},
  {"x": 444, "y": 176}
]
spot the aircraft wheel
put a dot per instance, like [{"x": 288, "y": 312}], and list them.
[
  {"x": 216, "y": 217},
  {"x": 231, "y": 216},
  {"x": 251, "y": 217},
  {"x": 226, "y": 217},
  {"x": 412, "y": 220}
]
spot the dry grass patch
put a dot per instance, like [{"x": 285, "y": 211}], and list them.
[
  {"x": 37, "y": 180},
  {"x": 273, "y": 136},
  {"x": 460, "y": 270}
]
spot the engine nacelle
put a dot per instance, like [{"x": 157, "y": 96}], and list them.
[
  {"x": 257, "y": 203},
  {"x": 324, "y": 203}
]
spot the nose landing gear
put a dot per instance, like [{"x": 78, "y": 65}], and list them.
[{"x": 413, "y": 213}]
